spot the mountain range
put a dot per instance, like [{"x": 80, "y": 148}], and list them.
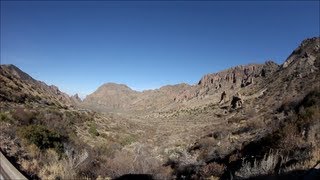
[{"x": 230, "y": 124}]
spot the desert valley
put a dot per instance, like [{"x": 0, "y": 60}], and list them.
[{"x": 248, "y": 121}]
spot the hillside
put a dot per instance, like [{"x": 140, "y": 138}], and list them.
[
  {"x": 248, "y": 121},
  {"x": 19, "y": 87},
  {"x": 113, "y": 97}
]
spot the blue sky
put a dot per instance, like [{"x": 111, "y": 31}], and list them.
[{"x": 80, "y": 45}]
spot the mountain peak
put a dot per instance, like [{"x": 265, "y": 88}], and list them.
[
  {"x": 305, "y": 54},
  {"x": 19, "y": 87},
  {"x": 115, "y": 86},
  {"x": 15, "y": 71}
]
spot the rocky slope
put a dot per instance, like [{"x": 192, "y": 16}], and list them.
[
  {"x": 19, "y": 87},
  {"x": 281, "y": 122}
]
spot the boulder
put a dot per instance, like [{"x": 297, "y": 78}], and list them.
[
  {"x": 236, "y": 101},
  {"x": 223, "y": 97}
]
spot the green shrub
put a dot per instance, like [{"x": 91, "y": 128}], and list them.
[
  {"x": 311, "y": 99},
  {"x": 93, "y": 129},
  {"x": 23, "y": 116},
  {"x": 127, "y": 140},
  {"x": 107, "y": 149},
  {"x": 42, "y": 137},
  {"x": 309, "y": 108},
  {"x": 308, "y": 113},
  {"x": 4, "y": 117}
]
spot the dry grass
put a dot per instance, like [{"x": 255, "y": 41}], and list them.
[
  {"x": 291, "y": 137},
  {"x": 57, "y": 168},
  {"x": 213, "y": 169},
  {"x": 47, "y": 164},
  {"x": 140, "y": 158},
  {"x": 307, "y": 164},
  {"x": 265, "y": 166}
]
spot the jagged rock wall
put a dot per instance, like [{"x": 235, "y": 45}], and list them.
[
  {"x": 238, "y": 76},
  {"x": 229, "y": 81}
]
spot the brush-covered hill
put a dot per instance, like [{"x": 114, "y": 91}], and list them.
[{"x": 18, "y": 87}]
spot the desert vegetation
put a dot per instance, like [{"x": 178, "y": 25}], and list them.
[{"x": 52, "y": 149}]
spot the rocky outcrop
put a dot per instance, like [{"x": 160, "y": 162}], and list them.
[
  {"x": 55, "y": 89},
  {"x": 305, "y": 54},
  {"x": 186, "y": 94},
  {"x": 230, "y": 76},
  {"x": 236, "y": 101},
  {"x": 269, "y": 68},
  {"x": 239, "y": 76},
  {"x": 76, "y": 99},
  {"x": 303, "y": 62},
  {"x": 223, "y": 97}
]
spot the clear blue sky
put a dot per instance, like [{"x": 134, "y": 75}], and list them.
[{"x": 80, "y": 45}]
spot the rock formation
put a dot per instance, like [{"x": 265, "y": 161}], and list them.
[
  {"x": 236, "y": 101},
  {"x": 223, "y": 97},
  {"x": 76, "y": 99}
]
